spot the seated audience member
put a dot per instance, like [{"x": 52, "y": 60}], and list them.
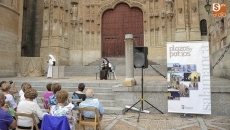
[
  {"x": 55, "y": 88},
  {"x": 60, "y": 109},
  {"x": 6, "y": 120},
  {"x": 90, "y": 102},
  {"x": 79, "y": 95},
  {"x": 11, "y": 110},
  {"x": 46, "y": 95},
  {"x": 13, "y": 89},
  {"x": 28, "y": 106},
  {"x": 2, "y": 83},
  {"x": 20, "y": 93},
  {"x": 9, "y": 97},
  {"x": 24, "y": 87}
]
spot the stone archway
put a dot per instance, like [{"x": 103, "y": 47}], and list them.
[{"x": 115, "y": 24}]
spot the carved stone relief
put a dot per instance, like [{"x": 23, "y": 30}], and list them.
[
  {"x": 163, "y": 14},
  {"x": 92, "y": 17},
  {"x": 74, "y": 12},
  {"x": 156, "y": 13},
  {"x": 61, "y": 3},
  {"x": 46, "y": 4},
  {"x": 151, "y": 12},
  {"x": 169, "y": 9},
  {"x": 194, "y": 8},
  {"x": 180, "y": 10},
  {"x": 55, "y": 3},
  {"x": 66, "y": 7}
]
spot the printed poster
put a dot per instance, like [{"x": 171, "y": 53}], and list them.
[{"x": 188, "y": 77}]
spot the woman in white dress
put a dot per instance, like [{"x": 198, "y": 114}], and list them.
[{"x": 51, "y": 63}]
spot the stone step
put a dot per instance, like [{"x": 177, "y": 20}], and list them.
[
  {"x": 104, "y": 96},
  {"x": 114, "y": 110},
  {"x": 115, "y": 61},
  {"x": 120, "y": 70}
]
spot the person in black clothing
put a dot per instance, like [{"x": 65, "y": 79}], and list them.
[
  {"x": 105, "y": 68},
  {"x": 79, "y": 94}
]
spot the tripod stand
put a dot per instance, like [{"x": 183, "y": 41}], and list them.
[{"x": 142, "y": 100}]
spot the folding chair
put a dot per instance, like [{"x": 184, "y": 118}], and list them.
[
  {"x": 95, "y": 122},
  {"x": 31, "y": 115},
  {"x": 73, "y": 101},
  {"x": 113, "y": 72},
  {"x": 100, "y": 68},
  {"x": 55, "y": 123}
]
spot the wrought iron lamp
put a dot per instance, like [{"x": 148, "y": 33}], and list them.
[{"x": 207, "y": 6}]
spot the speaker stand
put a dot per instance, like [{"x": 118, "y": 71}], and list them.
[{"x": 142, "y": 100}]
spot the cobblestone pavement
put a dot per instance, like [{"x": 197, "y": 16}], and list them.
[{"x": 163, "y": 122}]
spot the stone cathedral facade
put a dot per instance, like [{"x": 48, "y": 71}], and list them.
[{"x": 78, "y": 32}]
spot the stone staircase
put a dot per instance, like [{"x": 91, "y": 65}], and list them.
[
  {"x": 102, "y": 91},
  {"x": 92, "y": 68},
  {"x": 116, "y": 61}
]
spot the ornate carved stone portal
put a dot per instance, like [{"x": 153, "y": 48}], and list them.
[{"x": 73, "y": 29}]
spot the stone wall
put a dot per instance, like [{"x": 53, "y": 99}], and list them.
[
  {"x": 75, "y": 26},
  {"x": 219, "y": 38},
  {"x": 9, "y": 25},
  {"x": 221, "y": 69},
  {"x": 156, "y": 95}
]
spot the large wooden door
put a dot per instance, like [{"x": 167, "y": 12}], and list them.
[{"x": 115, "y": 24}]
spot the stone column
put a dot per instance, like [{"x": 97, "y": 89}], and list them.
[{"x": 129, "y": 80}]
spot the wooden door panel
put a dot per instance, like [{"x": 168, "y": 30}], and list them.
[{"x": 115, "y": 24}]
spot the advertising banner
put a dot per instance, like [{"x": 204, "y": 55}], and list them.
[{"x": 188, "y": 77}]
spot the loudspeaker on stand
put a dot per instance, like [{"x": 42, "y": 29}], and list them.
[{"x": 140, "y": 57}]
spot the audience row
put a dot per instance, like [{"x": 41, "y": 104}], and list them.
[{"x": 55, "y": 101}]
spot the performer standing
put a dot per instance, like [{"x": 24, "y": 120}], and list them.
[
  {"x": 51, "y": 63},
  {"x": 106, "y": 66}
]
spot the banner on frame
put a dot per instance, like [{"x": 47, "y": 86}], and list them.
[{"x": 188, "y": 77}]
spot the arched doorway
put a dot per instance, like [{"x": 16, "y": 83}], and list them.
[{"x": 115, "y": 24}]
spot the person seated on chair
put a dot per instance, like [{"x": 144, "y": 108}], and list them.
[
  {"x": 6, "y": 120},
  {"x": 46, "y": 95},
  {"x": 13, "y": 89},
  {"x": 61, "y": 109},
  {"x": 9, "y": 97},
  {"x": 55, "y": 88},
  {"x": 90, "y": 102},
  {"x": 24, "y": 87},
  {"x": 28, "y": 106},
  {"x": 105, "y": 67},
  {"x": 79, "y": 95}
]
